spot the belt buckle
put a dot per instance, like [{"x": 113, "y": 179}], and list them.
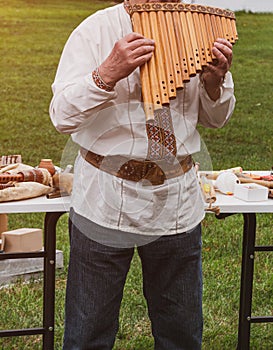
[{"x": 153, "y": 174}]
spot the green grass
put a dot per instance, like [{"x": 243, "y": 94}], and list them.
[
  {"x": 32, "y": 35},
  {"x": 247, "y": 139}
]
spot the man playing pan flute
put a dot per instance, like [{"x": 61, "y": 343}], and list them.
[{"x": 134, "y": 182}]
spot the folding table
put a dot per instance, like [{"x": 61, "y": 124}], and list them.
[
  {"x": 53, "y": 209},
  {"x": 229, "y": 205}
]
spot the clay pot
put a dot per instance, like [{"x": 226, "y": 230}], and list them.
[
  {"x": 47, "y": 164},
  {"x": 226, "y": 181}
]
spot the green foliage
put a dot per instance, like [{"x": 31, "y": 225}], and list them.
[{"x": 32, "y": 35}]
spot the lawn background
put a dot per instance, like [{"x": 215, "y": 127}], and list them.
[{"x": 32, "y": 36}]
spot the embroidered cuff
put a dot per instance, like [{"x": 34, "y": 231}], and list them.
[{"x": 99, "y": 81}]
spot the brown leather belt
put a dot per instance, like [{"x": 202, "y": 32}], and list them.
[{"x": 150, "y": 172}]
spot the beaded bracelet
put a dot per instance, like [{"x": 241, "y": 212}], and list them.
[{"x": 99, "y": 81}]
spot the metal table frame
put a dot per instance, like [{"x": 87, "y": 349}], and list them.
[
  {"x": 230, "y": 206},
  {"x": 54, "y": 209}
]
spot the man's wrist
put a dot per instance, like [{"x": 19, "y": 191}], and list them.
[
  {"x": 214, "y": 82},
  {"x": 213, "y": 86}
]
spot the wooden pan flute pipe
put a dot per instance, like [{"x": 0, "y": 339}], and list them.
[{"x": 184, "y": 36}]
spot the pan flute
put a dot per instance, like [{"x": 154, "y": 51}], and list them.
[{"x": 184, "y": 35}]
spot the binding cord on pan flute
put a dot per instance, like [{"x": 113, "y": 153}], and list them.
[{"x": 184, "y": 35}]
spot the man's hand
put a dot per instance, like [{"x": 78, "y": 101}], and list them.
[
  {"x": 214, "y": 73},
  {"x": 128, "y": 53}
]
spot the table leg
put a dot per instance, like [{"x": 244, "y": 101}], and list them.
[
  {"x": 50, "y": 224},
  {"x": 248, "y": 247}
]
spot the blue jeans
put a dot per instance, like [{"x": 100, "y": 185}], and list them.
[{"x": 172, "y": 286}]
